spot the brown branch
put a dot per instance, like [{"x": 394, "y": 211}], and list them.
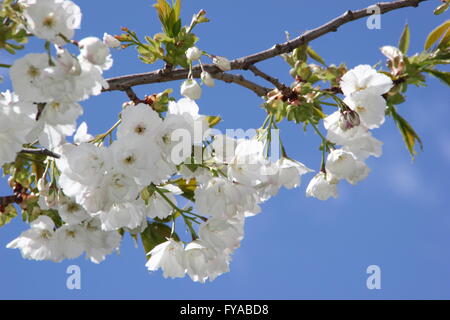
[
  {"x": 124, "y": 83},
  {"x": 7, "y": 200},
  {"x": 331, "y": 26},
  {"x": 43, "y": 152},
  {"x": 164, "y": 75},
  {"x": 240, "y": 80},
  {"x": 132, "y": 95},
  {"x": 280, "y": 86}
]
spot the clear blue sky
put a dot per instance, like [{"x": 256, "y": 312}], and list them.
[{"x": 297, "y": 248}]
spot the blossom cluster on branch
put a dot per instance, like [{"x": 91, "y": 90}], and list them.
[{"x": 163, "y": 163}]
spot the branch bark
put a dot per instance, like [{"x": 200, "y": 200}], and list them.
[
  {"x": 43, "y": 152},
  {"x": 164, "y": 75}
]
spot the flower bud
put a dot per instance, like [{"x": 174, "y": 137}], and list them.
[
  {"x": 193, "y": 53},
  {"x": 191, "y": 89},
  {"x": 110, "y": 41},
  {"x": 395, "y": 59},
  {"x": 348, "y": 120},
  {"x": 207, "y": 79},
  {"x": 392, "y": 53},
  {"x": 223, "y": 63}
]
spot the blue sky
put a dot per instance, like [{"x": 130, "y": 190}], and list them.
[{"x": 298, "y": 248}]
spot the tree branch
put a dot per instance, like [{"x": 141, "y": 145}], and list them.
[
  {"x": 164, "y": 75},
  {"x": 331, "y": 26},
  {"x": 125, "y": 82},
  {"x": 280, "y": 86},
  {"x": 43, "y": 152},
  {"x": 240, "y": 80}
]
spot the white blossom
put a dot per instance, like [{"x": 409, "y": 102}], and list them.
[
  {"x": 198, "y": 257},
  {"x": 38, "y": 242},
  {"x": 392, "y": 53},
  {"x": 343, "y": 165},
  {"x": 290, "y": 172},
  {"x": 139, "y": 121},
  {"x": 321, "y": 188},
  {"x": 48, "y": 19},
  {"x": 82, "y": 135},
  {"x": 158, "y": 207},
  {"x": 169, "y": 256},
  {"x": 72, "y": 240},
  {"x": 207, "y": 79},
  {"x": 16, "y": 123},
  {"x": 223, "y": 63},
  {"x": 120, "y": 215},
  {"x": 96, "y": 52},
  {"x": 27, "y": 75},
  {"x": 100, "y": 243},
  {"x": 110, "y": 41},
  {"x": 193, "y": 53},
  {"x": 370, "y": 107},
  {"x": 71, "y": 212},
  {"x": 222, "y": 198},
  {"x": 191, "y": 89},
  {"x": 220, "y": 234},
  {"x": 365, "y": 79}
]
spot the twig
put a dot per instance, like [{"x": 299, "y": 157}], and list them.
[
  {"x": 132, "y": 95},
  {"x": 164, "y": 75},
  {"x": 43, "y": 152},
  {"x": 280, "y": 86},
  {"x": 125, "y": 82},
  {"x": 331, "y": 26},
  {"x": 240, "y": 80}
]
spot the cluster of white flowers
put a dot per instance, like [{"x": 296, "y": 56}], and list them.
[
  {"x": 246, "y": 179},
  {"x": 363, "y": 88},
  {"x": 43, "y": 242},
  {"x": 49, "y": 89},
  {"x": 99, "y": 190},
  {"x": 107, "y": 181},
  {"x": 45, "y": 107}
]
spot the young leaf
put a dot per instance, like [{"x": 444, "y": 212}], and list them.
[
  {"x": 177, "y": 9},
  {"x": 314, "y": 55},
  {"x": 445, "y": 41},
  {"x": 436, "y": 34},
  {"x": 213, "y": 120},
  {"x": 403, "y": 44},
  {"x": 9, "y": 214},
  {"x": 409, "y": 135},
  {"x": 442, "y": 8},
  {"x": 441, "y": 75}
]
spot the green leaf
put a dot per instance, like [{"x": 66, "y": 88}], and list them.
[
  {"x": 213, "y": 120},
  {"x": 188, "y": 187},
  {"x": 315, "y": 56},
  {"x": 299, "y": 54},
  {"x": 410, "y": 137},
  {"x": 442, "y": 8},
  {"x": 177, "y": 9},
  {"x": 445, "y": 41},
  {"x": 155, "y": 234},
  {"x": 436, "y": 34},
  {"x": 441, "y": 75},
  {"x": 403, "y": 44},
  {"x": 163, "y": 9},
  {"x": 176, "y": 28},
  {"x": 9, "y": 214}
]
